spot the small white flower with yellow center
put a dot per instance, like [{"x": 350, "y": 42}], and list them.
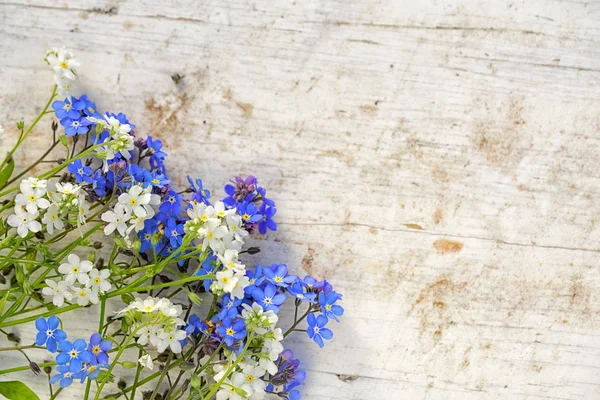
[
  {"x": 242, "y": 282},
  {"x": 136, "y": 200},
  {"x": 24, "y": 221},
  {"x": 76, "y": 269},
  {"x": 53, "y": 220},
  {"x": 252, "y": 378},
  {"x": 213, "y": 233},
  {"x": 171, "y": 340},
  {"x": 32, "y": 199},
  {"x": 229, "y": 388},
  {"x": 85, "y": 296},
  {"x": 146, "y": 362},
  {"x": 67, "y": 188},
  {"x": 234, "y": 223},
  {"x": 230, "y": 260},
  {"x": 98, "y": 281},
  {"x": 63, "y": 63},
  {"x": 226, "y": 281},
  {"x": 116, "y": 219},
  {"x": 58, "y": 290},
  {"x": 33, "y": 183},
  {"x": 83, "y": 208}
]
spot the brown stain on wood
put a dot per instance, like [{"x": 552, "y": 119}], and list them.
[
  {"x": 369, "y": 110},
  {"x": 307, "y": 261},
  {"x": 438, "y": 216},
  {"x": 247, "y": 108},
  {"x": 444, "y": 246},
  {"x": 414, "y": 226}
]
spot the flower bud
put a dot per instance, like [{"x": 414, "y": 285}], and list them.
[
  {"x": 35, "y": 368},
  {"x": 122, "y": 384}
]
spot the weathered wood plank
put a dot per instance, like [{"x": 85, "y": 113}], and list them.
[{"x": 436, "y": 161}]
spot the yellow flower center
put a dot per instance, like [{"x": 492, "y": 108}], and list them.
[
  {"x": 225, "y": 279},
  {"x": 234, "y": 228},
  {"x": 133, "y": 202},
  {"x": 91, "y": 368},
  {"x": 75, "y": 270},
  {"x": 230, "y": 331},
  {"x": 32, "y": 197},
  {"x": 210, "y": 235},
  {"x": 53, "y": 217},
  {"x": 278, "y": 279},
  {"x": 328, "y": 307},
  {"x": 63, "y": 65},
  {"x": 155, "y": 181},
  {"x": 204, "y": 218},
  {"x": 246, "y": 217},
  {"x": 97, "y": 281},
  {"x": 91, "y": 109},
  {"x": 73, "y": 353},
  {"x": 249, "y": 378},
  {"x": 82, "y": 294},
  {"x": 96, "y": 350},
  {"x": 148, "y": 308}
]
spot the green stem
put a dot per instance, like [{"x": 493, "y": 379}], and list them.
[
  {"x": 56, "y": 393},
  {"x": 162, "y": 376},
  {"x": 231, "y": 368},
  {"x": 296, "y": 322},
  {"x": 25, "y": 368},
  {"x": 29, "y": 346},
  {"x": 39, "y": 160},
  {"x": 137, "y": 375}
]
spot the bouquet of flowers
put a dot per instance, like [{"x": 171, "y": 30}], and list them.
[{"x": 104, "y": 226}]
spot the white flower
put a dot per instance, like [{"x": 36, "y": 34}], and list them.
[
  {"x": 32, "y": 198},
  {"x": 137, "y": 223},
  {"x": 33, "y": 183},
  {"x": 24, "y": 221},
  {"x": 116, "y": 219},
  {"x": 53, "y": 220},
  {"x": 147, "y": 305},
  {"x": 98, "y": 281},
  {"x": 136, "y": 200},
  {"x": 58, "y": 290},
  {"x": 63, "y": 63},
  {"x": 228, "y": 389},
  {"x": 267, "y": 362},
  {"x": 226, "y": 281},
  {"x": 171, "y": 339},
  {"x": 76, "y": 269},
  {"x": 85, "y": 296},
  {"x": 213, "y": 232},
  {"x": 242, "y": 282},
  {"x": 230, "y": 260},
  {"x": 236, "y": 230},
  {"x": 83, "y": 208},
  {"x": 67, "y": 188},
  {"x": 251, "y": 378},
  {"x": 146, "y": 361},
  {"x": 148, "y": 335}
]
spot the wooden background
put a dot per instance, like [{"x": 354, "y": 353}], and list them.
[{"x": 436, "y": 160}]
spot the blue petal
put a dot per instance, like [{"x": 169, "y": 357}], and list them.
[
  {"x": 41, "y": 338},
  {"x": 53, "y": 322},
  {"x": 65, "y": 382},
  {"x": 321, "y": 321},
  {"x": 59, "y": 335},
  {"x": 55, "y": 379},
  {"x": 79, "y": 344},
  {"x": 51, "y": 345},
  {"x": 312, "y": 321},
  {"x": 75, "y": 365},
  {"x": 41, "y": 324},
  {"x": 65, "y": 346},
  {"x": 318, "y": 340},
  {"x": 85, "y": 356},
  {"x": 62, "y": 358},
  {"x": 326, "y": 333}
]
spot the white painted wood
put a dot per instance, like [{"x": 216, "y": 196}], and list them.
[{"x": 435, "y": 160}]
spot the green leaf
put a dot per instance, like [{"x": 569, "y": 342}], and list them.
[
  {"x": 3, "y": 302},
  {"x": 7, "y": 172},
  {"x": 15, "y": 390},
  {"x": 128, "y": 364}
]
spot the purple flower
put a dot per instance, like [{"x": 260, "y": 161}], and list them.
[{"x": 240, "y": 189}]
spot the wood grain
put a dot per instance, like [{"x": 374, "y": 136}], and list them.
[{"x": 436, "y": 160}]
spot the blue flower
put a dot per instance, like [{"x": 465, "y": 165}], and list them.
[
  {"x": 268, "y": 298},
  {"x": 75, "y": 353},
  {"x": 87, "y": 107},
  {"x": 171, "y": 203},
  {"x": 297, "y": 289},
  {"x": 207, "y": 269},
  {"x": 255, "y": 278},
  {"x": 92, "y": 371},
  {"x": 65, "y": 109},
  {"x": 154, "y": 147},
  {"x": 231, "y": 331},
  {"x": 49, "y": 334},
  {"x": 65, "y": 376},
  {"x": 228, "y": 308},
  {"x": 145, "y": 235},
  {"x": 75, "y": 126},
  {"x": 242, "y": 190},
  {"x": 328, "y": 306},
  {"x": 249, "y": 212},
  {"x": 316, "y": 329},
  {"x": 98, "y": 349},
  {"x": 267, "y": 222},
  {"x": 278, "y": 275},
  {"x": 174, "y": 232},
  {"x": 159, "y": 180},
  {"x": 81, "y": 171},
  {"x": 200, "y": 194}
]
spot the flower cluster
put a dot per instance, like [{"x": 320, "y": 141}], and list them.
[
  {"x": 81, "y": 283},
  {"x": 49, "y": 203},
  {"x": 156, "y": 322},
  {"x": 75, "y": 360},
  {"x": 166, "y": 243}
]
